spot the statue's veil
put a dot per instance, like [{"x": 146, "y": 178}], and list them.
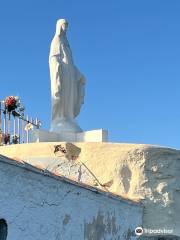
[{"x": 59, "y": 24}]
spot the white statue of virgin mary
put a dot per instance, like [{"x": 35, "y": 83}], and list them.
[{"x": 67, "y": 83}]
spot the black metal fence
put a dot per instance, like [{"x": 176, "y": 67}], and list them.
[{"x": 14, "y": 124}]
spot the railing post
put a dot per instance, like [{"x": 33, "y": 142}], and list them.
[
  {"x": 18, "y": 129},
  {"x": 1, "y": 132},
  {"x": 5, "y": 121},
  {"x": 14, "y": 130},
  {"x": 0, "y": 116},
  {"x": 27, "y": 130},
  {"x": 22, "y": 126}
]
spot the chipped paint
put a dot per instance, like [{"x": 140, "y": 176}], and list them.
[{"x": 105, "y": 225}]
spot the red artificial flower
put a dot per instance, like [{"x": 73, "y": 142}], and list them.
[{"x": 10, "y": 101}]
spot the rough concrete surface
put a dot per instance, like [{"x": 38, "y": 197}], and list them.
[
  {"x": 40, "y": 206},
  {"x": 145, "y": 173}
]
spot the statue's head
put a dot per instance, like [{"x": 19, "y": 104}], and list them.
[{"x": 61, "y": 26}]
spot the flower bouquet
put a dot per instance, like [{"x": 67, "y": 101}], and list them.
[{"x": 11, "y": 103}]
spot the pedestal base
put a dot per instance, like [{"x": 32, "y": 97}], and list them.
[{"x": 99, "y": 135}]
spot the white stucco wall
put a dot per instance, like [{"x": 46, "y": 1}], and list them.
[{"x": 39, "y": 207}]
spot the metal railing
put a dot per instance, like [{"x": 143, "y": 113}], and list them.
[{"x": 14, "y": 124}]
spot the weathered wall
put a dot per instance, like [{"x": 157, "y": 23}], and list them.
[
  {"x": 145, "y": 173},
  {"x": 39, "y": 207}
]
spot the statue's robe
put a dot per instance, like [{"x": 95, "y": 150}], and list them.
[{"x": 67, "y": 83}]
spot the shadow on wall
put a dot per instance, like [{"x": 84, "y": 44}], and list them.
[{"x": 126, "y": 175}]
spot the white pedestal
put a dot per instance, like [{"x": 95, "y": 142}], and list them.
[{"x": 99, "y": 135}]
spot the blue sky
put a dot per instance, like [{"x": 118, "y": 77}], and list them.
[{"x": 129, "y": 52}]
